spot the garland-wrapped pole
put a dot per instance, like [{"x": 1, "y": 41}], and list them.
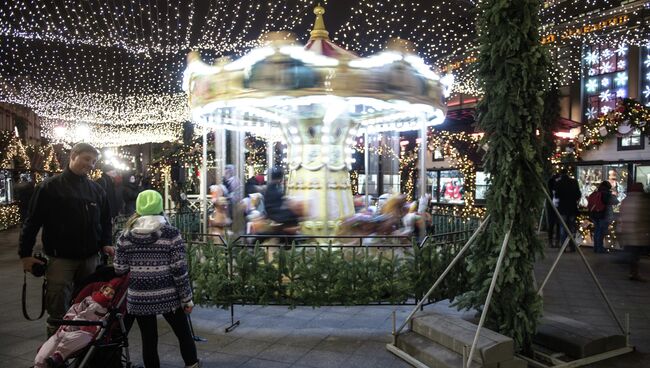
[{"x": 513, "y": 74}]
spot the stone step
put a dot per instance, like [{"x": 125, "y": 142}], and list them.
[
  {"x": 435, "y": 355},
  {"x": 574, "y": 338},
  {"x": 454, "y": 333},
  {"x": 430, "y": 353}
]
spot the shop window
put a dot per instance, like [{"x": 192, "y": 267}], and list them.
[
  {"x": 6, "y": 190},
  {"x": 642, "y": 175},
  {"x": 372, "y": 184},
  {"x": 391, "y": 184},
  {"x": 590, "y": 176},
  {"x": 432, "y": 185},
  {"x": 437, "y": 155},
  {"x": 633, "y": 141},
  {"x": 482, "y": 179}
]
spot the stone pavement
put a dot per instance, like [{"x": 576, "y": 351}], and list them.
[{"x": 329, "y": 336}]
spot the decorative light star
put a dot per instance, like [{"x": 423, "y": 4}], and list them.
[
  {"x": 592, "y": 58},
  {"x": 591, "y": 85},
  {"x": 646, "y": 91},
  {"x": 646, "y": 62},
  {"x": 621, "y": 79},
  {"x": 604, "y": 96},
  {"x": 621, "y": 64},
  {"x": 593, "y": 71},
  {"x": 606, "y": 67},
  {"x": 591, "y": 113},
  {"x": 606, "y": 54},
  {"x": 621, "y": 50},
  {"x": 621, "y": 92},
  {"x": 604, "y": 82},
  {"x": 605, "y": 109}
]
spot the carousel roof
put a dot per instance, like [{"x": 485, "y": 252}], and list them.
[
  {"x": 274, "y": 84},
  {"x": 320, "y": 42}
]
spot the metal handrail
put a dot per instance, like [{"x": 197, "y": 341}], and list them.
[{"x": 442, "y": 276}]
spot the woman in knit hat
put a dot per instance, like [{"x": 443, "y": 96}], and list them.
[{"x": 154, "y": 253}]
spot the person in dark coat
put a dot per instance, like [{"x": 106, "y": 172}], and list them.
[
  {"x": 73, "y": 212},
  {"x": 633, "y": 226},
  {"x": 130, "y": 191},
  {"x": 568, "y": 194},
  {"x": 107, "y": 182},
  {"x": 275, "y": 203}
]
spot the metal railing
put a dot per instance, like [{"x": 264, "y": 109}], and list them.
[{"x": 316, "y": 270}]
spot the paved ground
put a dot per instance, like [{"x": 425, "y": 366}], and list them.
[{"x": 331, "y": 336}]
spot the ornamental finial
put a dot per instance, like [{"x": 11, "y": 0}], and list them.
[{"x": 319, "y": 30}]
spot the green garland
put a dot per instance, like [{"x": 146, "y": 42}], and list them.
[
  {"x": 627, "y": 111},
  {"x": 318, "y": 276},
  {"x": 513, "y": 73}
]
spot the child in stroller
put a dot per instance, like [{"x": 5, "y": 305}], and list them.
[{"x": 93, "y": 332}]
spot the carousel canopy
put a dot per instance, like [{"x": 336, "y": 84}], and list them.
[{"x": 273, "y": 84}]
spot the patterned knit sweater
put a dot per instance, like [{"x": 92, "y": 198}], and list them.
[{"x": 154, "y": 254}]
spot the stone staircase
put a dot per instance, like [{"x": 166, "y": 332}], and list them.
[{"x": 437, "y": 340}]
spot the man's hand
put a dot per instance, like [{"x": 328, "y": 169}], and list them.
[
  {"x": 109, "y": 250},
  {"x": 28, "y": 262}
]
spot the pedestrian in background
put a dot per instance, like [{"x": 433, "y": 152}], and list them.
[
  {"x": 633, "y": 226},
  {"x": 154, "y": 253},
  {"x": 601, "y": 222},
  {"x": 130, "y": 192},
  {"x": 107, "y": 182},
  {"x": 568, "y": 194}
]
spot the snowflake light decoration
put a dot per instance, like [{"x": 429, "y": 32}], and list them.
[
  {"x": 646, "y": 62},
  {"x": 592, "y": 57},
  {"x": 621, "y": 50},
  {"x": 607, "y": 53},
  {"x": 605, "y": 109},
  {"x": 621, "y": 64},
  {"x": 646, "y": 91},
  {"x": 605, "y": 82},
  {"x": 621, "y": 79},
  {"x": 592, "y": 85},
  {"x": 591, "y": 113},
  {"x": 606, "y": 67},
  {"x": 604, "y": 96}
]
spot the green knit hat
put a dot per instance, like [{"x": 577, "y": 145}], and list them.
[{"x": 149, "y": 202}]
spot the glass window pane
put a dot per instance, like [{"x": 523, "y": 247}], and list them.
[
  {"x": 643, "y": 176},
  {"x": 451, "y": 187},
  {"x": 589, "y": 177},
  {"x": 481, "y": 185}
]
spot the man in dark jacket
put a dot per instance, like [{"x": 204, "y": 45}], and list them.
[
  {"x": 74, "y": 214},
  {"x": 568, "y": 194},
  {"x": 274, "y": 201}
]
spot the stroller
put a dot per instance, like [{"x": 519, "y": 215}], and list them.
[{"x": 110, "y": 346}]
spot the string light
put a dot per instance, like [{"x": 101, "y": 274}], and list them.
[
  {"x": 9, "y": 216},
  {"x": 120, "y": 62},
  {"x": 12, "y": 150}
]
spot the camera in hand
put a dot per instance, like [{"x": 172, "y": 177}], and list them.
[{"x": 38, "y": 269}]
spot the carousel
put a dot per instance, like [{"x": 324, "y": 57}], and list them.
[{"x": 317, "y": 99}]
